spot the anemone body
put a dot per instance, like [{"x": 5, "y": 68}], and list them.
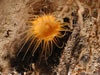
[{"x": 44, "y": 30}]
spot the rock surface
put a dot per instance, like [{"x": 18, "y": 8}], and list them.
[{"x": 80, "y": 56}]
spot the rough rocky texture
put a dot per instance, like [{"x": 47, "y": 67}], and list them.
[
  {"x": 81, "y": 55},
  {"x": 13, "y": 14}
]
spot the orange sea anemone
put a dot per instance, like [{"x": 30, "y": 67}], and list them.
[{"x": 44, "y": 30}]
